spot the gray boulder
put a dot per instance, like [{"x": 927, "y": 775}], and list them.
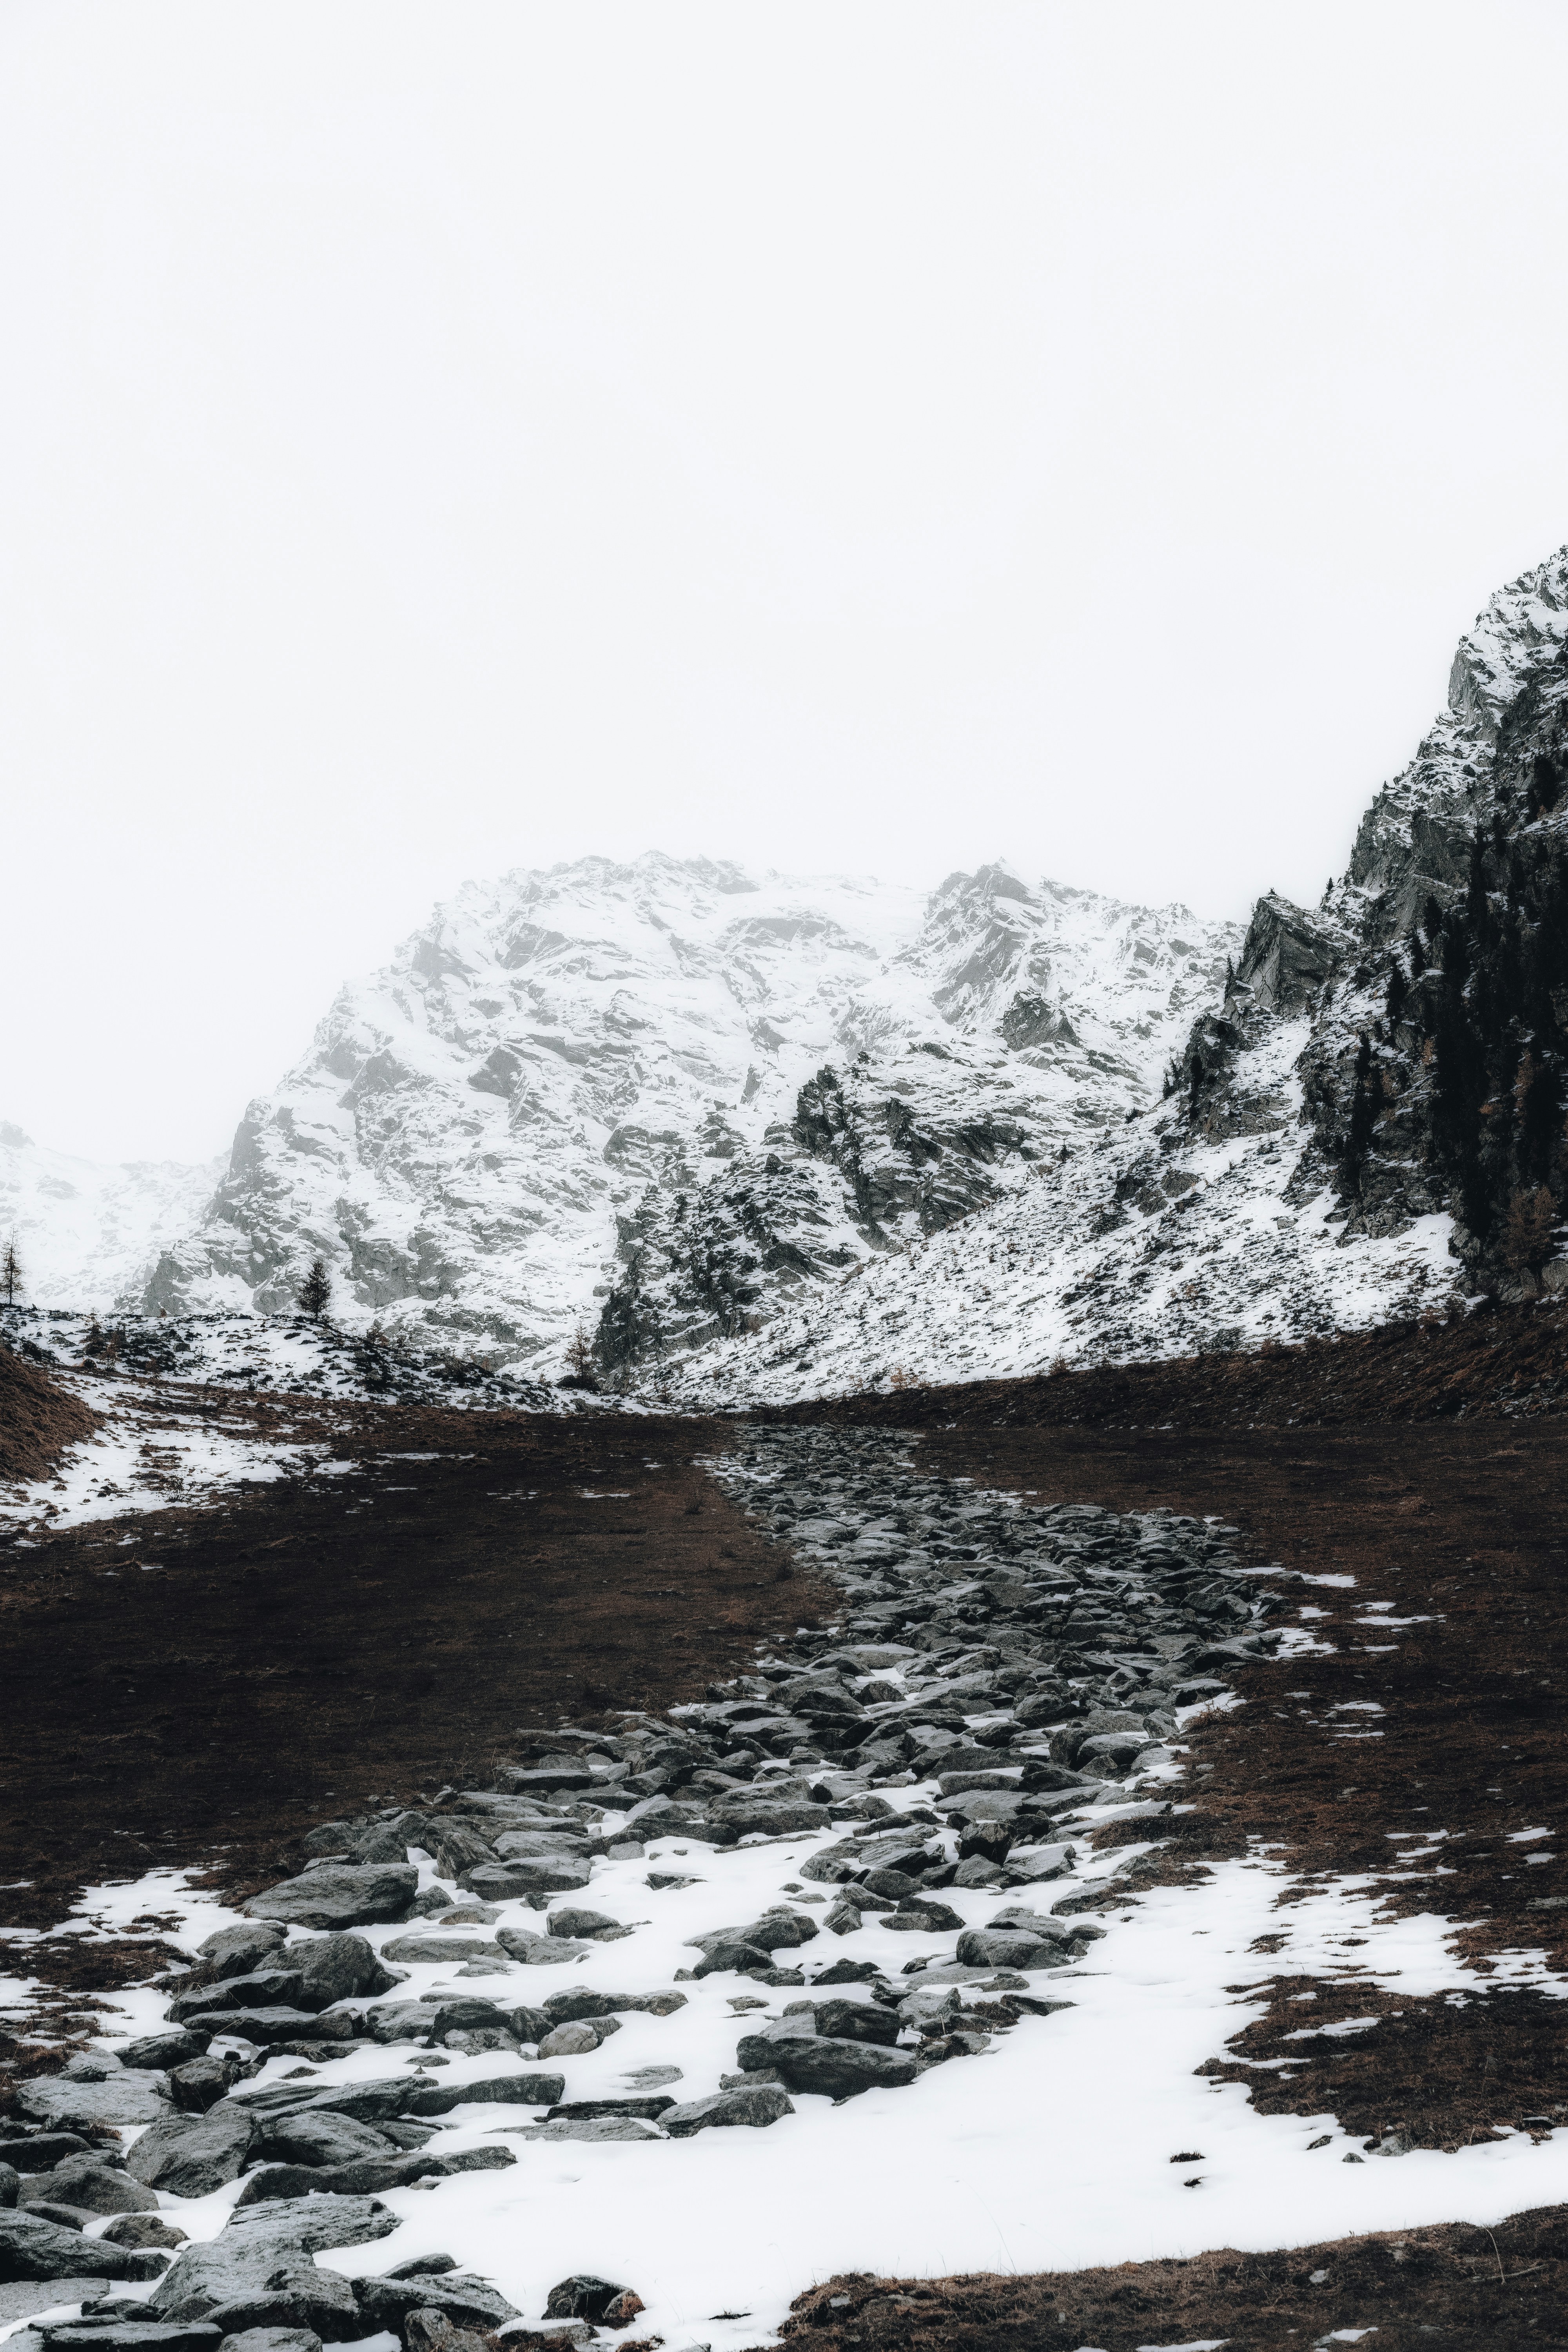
[
  {"x": 1001, "y": 1948},
  {"x": 264, "y": 2258},
  {"x": 856, "y": 2021},
  {"x": 338, "y": 1968},
  {"x": 190, "y": 2156},
  {"x": 240, "y": 1951},
  {"x": 144, "y": 2229},
  {"x": 124, "y": 2333},
  {"x": 467, "y": 2302},
  {"x": 341, "y": 1894},
  {"x": 158, "y": 2052},
  {"x": 527, "y": 1875},
  {"x": 94, "y": 2187},
  {"x": 367, "y": 2176},
  {"x": 748, "y": 1816},
  {"x": 40, "y": 2152},
  {"x": 611, "y": 2128},
  {"x": 265, "y": 1989},
  {"x": 203, "y": 2083},
  {"x": 124, "y": 2097},
  {"x": 318, "y": 2137},
  {"x": 272, "y": 2339},
  {"x": 728, "y": 1952},
  {"x": 518, "y": 2090},
  {"x": 445, "y": 1950},
  {"x": 756, "y": 2108},
  {"x": 267, "y": 2026},
  {"x": 519, "y": 1844},
  {"x": 836, "y": 2068},
  {"x": 32, "y": 2248},
  {"x": 597, "y": 1926}
]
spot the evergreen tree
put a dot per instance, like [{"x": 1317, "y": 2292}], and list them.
[
  {"x": 10, "y": 1271},
  {"x": 315, "y": 1293}
]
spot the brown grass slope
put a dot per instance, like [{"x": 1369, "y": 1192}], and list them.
[{"x": 38, "y": 1421}]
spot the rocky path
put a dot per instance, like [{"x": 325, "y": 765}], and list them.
[{"x": 834, "y": 1966}]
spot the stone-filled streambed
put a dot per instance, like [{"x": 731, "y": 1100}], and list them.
[{"x": 864, "y": 1959}]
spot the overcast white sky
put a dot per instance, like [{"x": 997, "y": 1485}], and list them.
[{"x": 440, "y": 438}]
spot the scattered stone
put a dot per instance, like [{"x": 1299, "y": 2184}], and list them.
[
  {"x": 143, "y": 2230},
  {"x": 92, "y": 2185},
  {"x": 592, "y": 1925},
  {"x": 157, "y": 2052},
  {"x": 341, "y": 1894},
  {"x": 32, "y": 2248},
  {"x": 272, "y": 2339},
  {"x": 585, "y": 2297},
  {"x": 190, "y": 2156},
  {"x": 260, "y": 2270},
  {"x": 755, "y": 2108},
  {"x": 203, "y": 2083},
  {"x": 125, "y": 2097}
]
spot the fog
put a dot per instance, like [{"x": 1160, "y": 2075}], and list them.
[{"x": 882, "y": 438}]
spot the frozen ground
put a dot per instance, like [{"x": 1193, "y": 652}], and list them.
[
  {"x": 155, "y": 1451},
  {"x": 1079, "y": 2138},
  {"x": 1052, "y": 2150}
]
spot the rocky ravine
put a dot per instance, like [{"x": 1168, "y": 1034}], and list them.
[{"x": 852, "y": 1869}]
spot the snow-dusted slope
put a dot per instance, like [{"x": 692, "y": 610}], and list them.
[
  {"x": 559, "y": 1055},
  {"x": 84, "y": 1232},
  {"x": 1365, "y": 1076}
]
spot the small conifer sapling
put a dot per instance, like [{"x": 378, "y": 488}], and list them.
[{"x": 315, "y": 1293}]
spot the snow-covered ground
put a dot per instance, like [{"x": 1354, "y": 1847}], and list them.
[
  {"x": 1051, "y": 2150},
  {"x": 151, "y": 1452},
  {"x": 1051, "y": 2146}
]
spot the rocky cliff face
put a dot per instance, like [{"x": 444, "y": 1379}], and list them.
[
  {"x": 1369, "y": 1124},
  {"x": 655, "y": 1100}
]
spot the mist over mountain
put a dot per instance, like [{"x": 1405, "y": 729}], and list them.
[
  {"x": 757, "y": 1135},
  {"x": 562, "y": 1068}
]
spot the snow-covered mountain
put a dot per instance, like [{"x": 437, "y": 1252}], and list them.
[
  {"x": 661, "y": 1096},
  {"x": 1370, "y": 1125},
  {"x": 85, "y": 1232}
]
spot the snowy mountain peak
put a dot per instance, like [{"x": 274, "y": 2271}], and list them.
[{"x": 558, "y": 1058}]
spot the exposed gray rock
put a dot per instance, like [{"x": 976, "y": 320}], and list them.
[
  {"x": 838, "y": 2069},
  {"x": 271, "y": 2339},
  {"x": 157, "y": 2052},
  {"x": 91, "y": 2185},
  {"x": 266, "y": 2257},
  {"x": 467, "y": 2302},
  {"x": 143, "y": 2230},
  {"x": 123, "y": 2333},
  {"x": 240, "y": 1951},
  {"x": 126, "y": 2097},
  {"x": 755, "y": 2108},
  {"x": 317, "y": 2136},
  {"x": 338, "y": 1968},
  {"x": 190, "y": 2156},
  {"x": 31, "y": 2248},
  {"x": 339, "y": 1894},
  {"x": 527, "y": 1875}
]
